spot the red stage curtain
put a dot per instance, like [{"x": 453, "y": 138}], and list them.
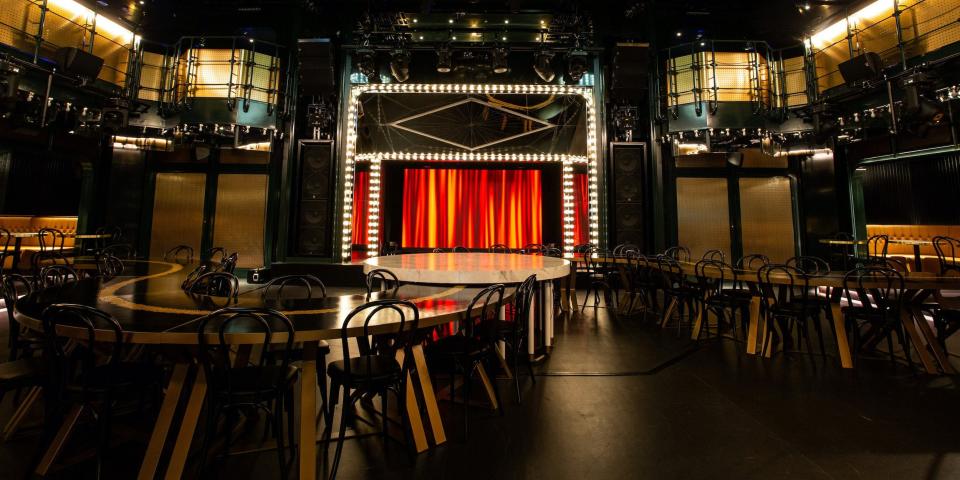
[
  {"x": 471, "y": 208},
  {"x": 361, "y": 187},
  {"x": 581, "y": 201}
]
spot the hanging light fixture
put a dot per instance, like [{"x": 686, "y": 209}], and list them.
[
  {"x": 498, "y": 60},
  {"x": 365, "y": 62},
  {"x": 400, "y": 64},
  {"x": 576, "y": 64},
  {"x": 444, "y": 59},
  {"x": 543, "y": 65}
]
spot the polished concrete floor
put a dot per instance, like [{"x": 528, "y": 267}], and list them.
[{"x": 619, "y": 398}]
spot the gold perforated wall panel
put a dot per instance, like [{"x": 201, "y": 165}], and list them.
[
  {"x": 240, "y": 216},
  {"x": 177, "y": 212},
  {"x": 151, "y": 74},
  {"x": 766, "y": 216},
  {"x": 703, "y": 218},
  {"x": 795, "y": 82},
  {"x": 18, "y": 23}
]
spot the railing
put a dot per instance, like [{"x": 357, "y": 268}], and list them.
[{"x": 897, "y": 30}]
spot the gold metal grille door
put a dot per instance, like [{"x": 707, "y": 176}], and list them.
[
  {"x": 766, "y": 217},
  {"x": 240, "y": 216},
  {"x": 177, "y": 212},
  {"x": 703, "y": 215}
]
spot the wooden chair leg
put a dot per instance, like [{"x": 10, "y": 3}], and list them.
[
  {"x": 20, "y": 413},
  {"x": 59, "y": 441}
]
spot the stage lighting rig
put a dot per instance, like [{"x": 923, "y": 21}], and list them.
[
  {"x": 543, "y": 65},
  {"x": 498, "y": 60},
  {"x": 9, "y": 85},
  {"x": 577, "y": 64},
  {"x": 400, "y": 64},
  {"x": 365, "y": 61},
  {"x": 444, "y": 59},
  {"x": 919, "y": 111}
]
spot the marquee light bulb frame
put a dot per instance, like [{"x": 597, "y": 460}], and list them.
[{"x": 351, "y": 157}]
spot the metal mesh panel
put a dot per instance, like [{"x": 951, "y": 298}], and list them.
[
  {"x": 19, "y": 21},
  {"x": 66, "y": 26},
  {"x": 240, "y": 216},
  {"x": 115, "y": 55},
  {"x": 766, "y": 215},
  {"x": 795, "y": 82},
  {"x": 929, "y": 24},
  {"x": 177, "y": 211},
  {"x": 151, "y": 75},
  {"x": 703, "y": 215}
]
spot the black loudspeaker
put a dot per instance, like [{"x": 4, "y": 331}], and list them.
[
  {"x": 316, "y": 66},
  {"x": 628, "y": 169},
  {"x": 73, "y": 61},
  {"x": 862, "y": 67},
  {"x": 314, "y": 232},
  {"x": 631, "y": 68}
]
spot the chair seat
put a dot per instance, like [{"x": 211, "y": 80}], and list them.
[
  {"x": 725, "y": 299},
  {"x": 737, "y": 292},
  {"x": 458, "y": 345},
  {"x": 21, "y": 373},
  {"x": 366, "y": 369}
]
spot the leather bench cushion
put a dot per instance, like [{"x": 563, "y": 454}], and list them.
[{"x": 913, "y": 232}]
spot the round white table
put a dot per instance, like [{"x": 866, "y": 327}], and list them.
[{"x": 483, "y": 269}]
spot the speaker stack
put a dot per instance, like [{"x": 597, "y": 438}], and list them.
[
  {"x": 76, "y": 62},
  {"x": 314, "y": 227},
  {"x": 316, "y": 66},
  {"x": 629, "y": 179},
  {"x": 631, "y": 67}
]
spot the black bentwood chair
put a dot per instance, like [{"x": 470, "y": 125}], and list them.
[
  {"x": 6, "y": 250},
  {"x": 214, "y": 255},
  {"x": 22, "y": 342},
  {"x": 216, "y": 284},
  {"x": 513, "y": 333},
  {"x": 712, "y": 279},
  {"x": 474, "y": 343},
  {"x": 22, "y": 368},
  {"x": 678, "y": 292},
  {"x": 55, "y": 276},
  {"x": 383, "y": 281},
  {"x": 875, "y": 299},
  {"x": 499, "y": 248},
  {"x": 598, "y": 272},
  {"x": 376, "y": 370},
  {"x": 265, "y": 386},
  {"x": 90, "y": 376},
  {"x": 789, "y": 305},
  {"x": 302, "y": 287},
  {"x": 179, "y": 254}
]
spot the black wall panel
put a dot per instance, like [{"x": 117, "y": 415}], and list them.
[{"x": 917, "y": 191}]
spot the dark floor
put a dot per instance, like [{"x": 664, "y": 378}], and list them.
[{"x": 619, "y": 398}]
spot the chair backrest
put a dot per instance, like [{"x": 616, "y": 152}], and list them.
[
  {"x": 194, "y": 274},
  {"x": 51, "y": 239},
  {"x": 401, "y": 334},
  {"x": 877, "y": 246},
  {"x": 12, "y": 287},
  {"x": 55, "y": 276},
  {"x": 39, "y": 260},
  {"x": 671, "y": 273},
  {"x": 214, "y": 254},
  {"x": 179, "y": 254},
  {"x": 123, "y": 251},
  {"x": 879, "y": 289},
  {"x": 387, "y": 279},
  {"x": 752, "y": 262},
  {"x": 109, "y": 267},
  {"x": 809, "y": 265},
  {"x": 499, "y": 248},
  {"x": 215, "y": 356},
  {"x": 277, "y": 285},
  {"x": 439, "y": 250},
  {"x": 229, "y": 264},
  {"x": 116, "y": 233},
  {"x": 947, "y": 249},
  {"x": 522, "y": 305},
  {"x": 714, "y": 255},
  {"x": 216, "y": 284},
  {"x": 781, "y": 284},
  {"x": 481, "y": 316},
  {"x": 624, "y": 248},
  {"x": 582, "y": 248},
  {"x": 711, "y": 275},
  {"x": 678, "y": 253},
  {"x": 59, "y": 356},
  {"x": 460, "y": 249},
  {"x": 553, "y": 252},
  {"x": 533, "y": 249}
]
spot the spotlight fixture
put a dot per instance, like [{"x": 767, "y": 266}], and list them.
[
  {"x": 542, "y": 65},
  {"x": 400, "y": 65},
  {"x": 365, "y": 62},
  {"x": 444, "y": 59},
  {"x": 576, "y": 65},
  {"x": 498, "y": 60}
]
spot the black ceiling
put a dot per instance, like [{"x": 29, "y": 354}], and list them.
[{"x": 780, "y": 22}]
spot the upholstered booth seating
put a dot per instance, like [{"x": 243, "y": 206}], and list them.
[
  {"x": 31, "y": 245},
  {"x": 912, "y": 232}
]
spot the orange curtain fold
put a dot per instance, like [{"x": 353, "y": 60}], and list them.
[
  {"x": 471, "y": 208},
  {"x": 361, "y": 187},
  {"x": 581, "y": 226}
]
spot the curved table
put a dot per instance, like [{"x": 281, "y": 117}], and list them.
[
  {"x": 152, "y": 309},
  {"x": 480, "y": 268}
]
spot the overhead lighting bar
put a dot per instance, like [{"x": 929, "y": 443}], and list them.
[{"x": 472, "y": 157}]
